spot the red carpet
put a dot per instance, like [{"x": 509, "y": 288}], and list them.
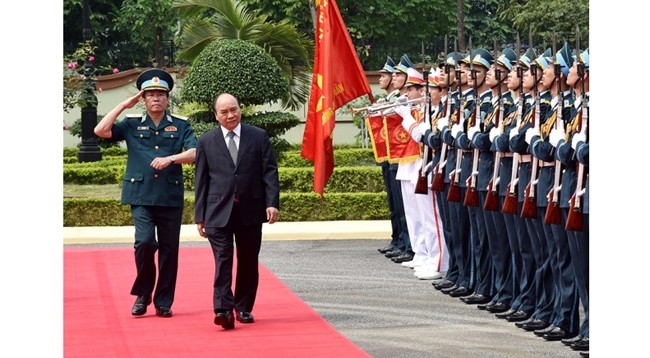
[{"x": 98, "y": 321}]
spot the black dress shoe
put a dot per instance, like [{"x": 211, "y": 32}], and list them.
[
  {"x": 444, "y": 284},
  {"x": 461, "y": 291},
  {"x": 521, "y": 324},
  {"x": 518, "y": 316},
  {"x": 570, "y": 341},
  {"x": 584, "y": 354},
  {"x": 581, "y": 345},
  {"x": 476, "y": 298},
  {"x": 407, "y": 256},
  {"x": 484, "y": 306},
  {"x": 497, "y": 308},
  {"x": 245, "y": 317},
  {"x": 225, "y": 320},
  {"x": 505, "y": 313},
  {"x": 541, "y": 332},
  {"x": 163, "y": 311},
  {"x": 557, "y": 334},
  {"x": 393, "y": 253},
  {"x": 535, "y": 325},
  {"x": 140, "y": 305},
  {"x": 449, "y": 289},
  {"x": 385, "y": 249}
]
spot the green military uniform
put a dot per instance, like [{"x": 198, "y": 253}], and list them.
[{"x": 155, "y": 195}]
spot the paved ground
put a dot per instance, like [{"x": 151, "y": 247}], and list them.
[
  {"x": 377, "y": 304},
  {"x": 387, "y": 312}
]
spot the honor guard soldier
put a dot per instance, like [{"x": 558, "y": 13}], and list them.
[
  {"x": 478, "y": 177},
  {"x": 565, "y": 319},
  {"x": 157, "y": 144},
  {"x": 400, "y": 236},
  {"x": 579, "y": 80},
  {"x": 501, "y": 255},
  {"x": 424, "y": 218},
  {"x": 460, "y": 221}
]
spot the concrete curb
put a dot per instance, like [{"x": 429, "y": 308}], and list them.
[{"x": 304, "y": 230}]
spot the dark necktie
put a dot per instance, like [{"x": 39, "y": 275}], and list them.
[{"x": 232, "y": 147}]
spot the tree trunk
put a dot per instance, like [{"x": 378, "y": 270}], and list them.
[
  {"x": 461, "y": 26},
  {"x": 160, "y": 53}
]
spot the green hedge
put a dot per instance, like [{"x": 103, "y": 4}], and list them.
[
  {"x": 343, "y": 180},
  {"x": 293, "y": 207}
]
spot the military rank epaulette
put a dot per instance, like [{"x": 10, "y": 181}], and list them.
[{"x": 178, "y": 116}]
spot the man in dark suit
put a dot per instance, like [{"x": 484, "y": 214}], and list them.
[{"x": 237, "y": 190}]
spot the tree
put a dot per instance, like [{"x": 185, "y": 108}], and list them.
[
  {"x": 247, "y": 72},
  {"x": 114, "y": 47},
  {"x": 150, "y": 23},
  {"x": 543, "y": 18},
  {"x": 206, "y": 21}
]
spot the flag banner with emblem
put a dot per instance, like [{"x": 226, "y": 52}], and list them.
[
  {"x": 401, "y": 147},
  {"x": 338, "y": 78},
  {"x": 377, "y": 129}
]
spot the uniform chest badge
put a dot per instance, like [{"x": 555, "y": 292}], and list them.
[
  {"x": 143, "y": 128},
  {"x": 171, "y": 129}
]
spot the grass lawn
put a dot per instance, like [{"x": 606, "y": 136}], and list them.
[{"x": 110, "y": 191}]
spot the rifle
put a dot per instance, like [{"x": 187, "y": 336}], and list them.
[
  {"x": 438, "y": 182},
  {"x": 574, "y": 218},
  {"x": 529, "y": 206},
  {"x": 553, "y": 215},
  {"x": 471, "y": 195},
  {"x": 422, "y": 186},
  {"x": 454, "y": 186},
  {"x": 510, "y": 201},
  {"x": 492, "y": 198}
]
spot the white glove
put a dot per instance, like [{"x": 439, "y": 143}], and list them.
[
  {"x": 578, "y": 137},
  {"x": 402, "y": 110},
  {"x": 530, "y": 133},
  {"x": 472, "y": 131},
  {"x": 418, "y": 131},
  {"x": 427, "y": 168},
  {"x": 555, "y": 136},
  {"x": 457, "y": 128},
  {"x": 513, "y": 132},
  {"x": 442, "y": 122},
  {"x": 494, "y": 132}
]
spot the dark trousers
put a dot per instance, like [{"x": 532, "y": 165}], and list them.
[
  {"x": 482, "y": 257},
  {"x": 445, "y": 210},
  {"x": 500, "y": 253},
  {"x": 528, "y": 264},
  {"x": 579, "y": 249},
  {"x": 399, "y": 231},
  {"x": 516, "y": 262},
  {"x": 248, "y": 240},
  {"x": 463, "y": 248},
  {"x": 545, "y": 284},
  {"x": 565, "y": 311},
  {"x": 165, "y": 221}
]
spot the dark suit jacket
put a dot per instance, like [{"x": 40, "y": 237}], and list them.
[{"x": 254, "y": 180}]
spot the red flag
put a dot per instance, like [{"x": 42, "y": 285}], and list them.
[
  {"x": 377, "y": 129},
  {"x": 338, "y": 78},
  {"x": 401, "y": 147}
]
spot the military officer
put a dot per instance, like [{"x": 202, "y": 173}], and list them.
[{"x": 157, "y": 143}]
